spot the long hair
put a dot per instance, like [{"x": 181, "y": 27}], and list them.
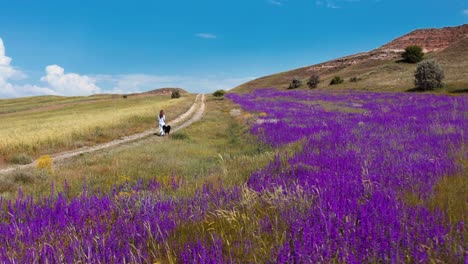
[{"x": 161, "y": 113}]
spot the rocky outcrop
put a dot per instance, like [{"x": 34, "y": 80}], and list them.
[{"x": 432, "y": 39}]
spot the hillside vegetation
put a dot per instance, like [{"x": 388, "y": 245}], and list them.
[{"x": 382, "y": 69}]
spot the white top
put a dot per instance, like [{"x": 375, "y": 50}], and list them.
[{"x": 162, "y": 120}]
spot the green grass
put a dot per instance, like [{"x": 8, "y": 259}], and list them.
[
  {"x": 216, "y": 149},
  {"x": 49, "y": 130},
  {"x": 376, "y": 75}
]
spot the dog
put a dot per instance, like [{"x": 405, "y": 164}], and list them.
[{"x": 167, "y": 129}]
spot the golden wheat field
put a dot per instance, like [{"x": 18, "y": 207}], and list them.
[{"x": 37, "y": 129}]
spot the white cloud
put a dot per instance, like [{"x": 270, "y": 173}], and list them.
[
  {"x": 26, "y": 90},
  {"x": 7, "y": 73},
  {"x": 275, "y": 2},
  {"x": 69, "y": 83},
  {"x": 135, "y": 83},
  {"x": 211, "y": 83},
  {"x": 334, "y": 3},
  {"x": 331, "y": 4},
  {"x": 58, "y": 82},
  {"x": 206, "y": 35},
  {"x": 6, "y": 70}
]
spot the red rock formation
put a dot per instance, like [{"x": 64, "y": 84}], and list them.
[{"x": 432, "y": 39}]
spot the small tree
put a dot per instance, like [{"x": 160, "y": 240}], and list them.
[
  {"x": 295, "y": 83},
  {"x": 219, "y": 93},
  {"x": 175, "y": 94},
  {"x": 413, "y": 54},
  {"x": 428, "y": 75},
  {"x": 336, "y": 80},
  {"x": 313, "y": 81}
]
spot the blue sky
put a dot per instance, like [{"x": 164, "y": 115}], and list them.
[{"x": 79, "y": 47}]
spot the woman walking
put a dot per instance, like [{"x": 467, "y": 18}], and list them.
[{"x": 161, "y": 122}]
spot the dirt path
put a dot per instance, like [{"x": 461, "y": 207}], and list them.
[{"x": 195, "y": 112}]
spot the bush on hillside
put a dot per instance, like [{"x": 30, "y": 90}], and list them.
[
  {"x": 295, "y": 83},
  {"x": 175, "y": 94},
  {"x": 313, "y": 81},
  {"x": 336, "y": 80},
  {"x": 219, "y": 93},
  {"x": 413, "y": 54},
  {"x": 428, "y": 75},
  {"x": 354, "y": 79}
]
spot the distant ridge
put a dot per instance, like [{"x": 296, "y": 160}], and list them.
[
  {"x": 161, "y": 91},
  {"x": 378, "y": 69}
]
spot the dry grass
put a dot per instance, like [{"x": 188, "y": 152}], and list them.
[
  {"x": 48, "y": 101},
  {"x": 48, "y": 131},
  {"x": 451, "y": 196},
  {"x": 216, "y": 149},
  {"x": 376, "y": 75}
]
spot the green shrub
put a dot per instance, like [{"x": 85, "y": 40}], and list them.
[
  {"x": 336, "y": 80},
  {"x": 428, "y": 75},
  {"x": 21, "y": 159},
  {"x": 354, "y": 79},
  {"x": 295, "y": 83},
  {"x": 219, "y": 93},
  {"x": 413, "y": 54},
  {"x": 314, "y": 80},
  {"x": 175, "y": 94}
]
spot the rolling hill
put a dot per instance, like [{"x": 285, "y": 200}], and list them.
[{"x": 381, "y": 69}]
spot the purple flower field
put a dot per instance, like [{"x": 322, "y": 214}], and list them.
[
  {"x": 342, "y": 199},
  {"x": 357, "y": 162}
]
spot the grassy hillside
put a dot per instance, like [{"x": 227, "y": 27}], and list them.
[
  {"x": 45, "y": 125},
  {"x": 31, "y": 103},
  {"x": 373, "y": 74},
  {"x": 454, "y": 61}
]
